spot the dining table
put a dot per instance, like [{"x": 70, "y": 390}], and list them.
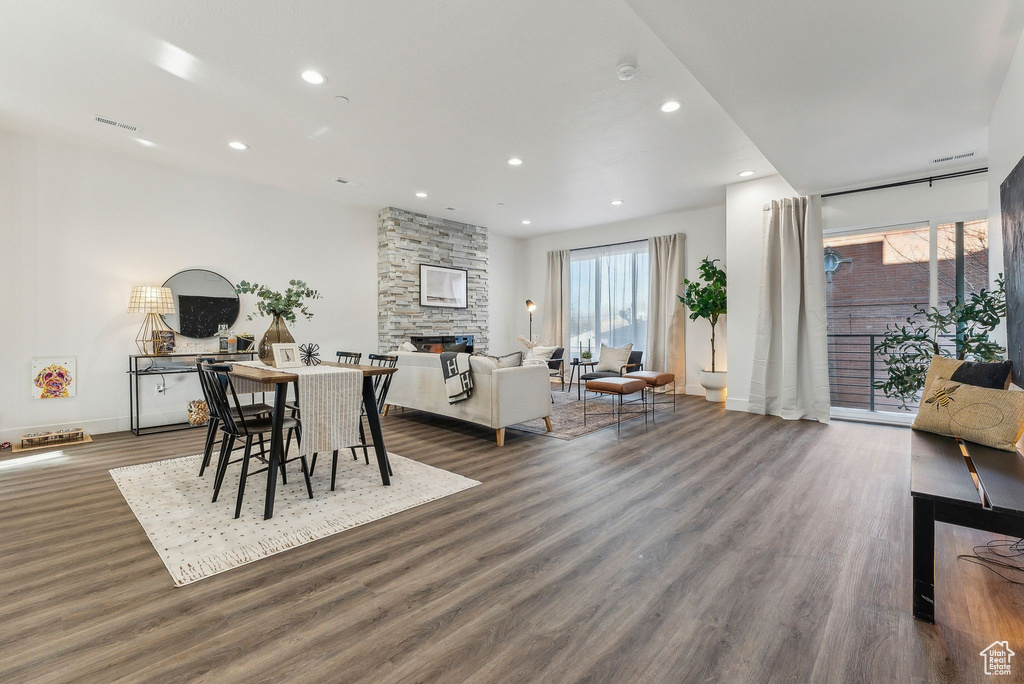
[{"x": 278, "y": 381}]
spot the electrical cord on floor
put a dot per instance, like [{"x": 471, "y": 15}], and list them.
[{"x": 999, "y": 554}]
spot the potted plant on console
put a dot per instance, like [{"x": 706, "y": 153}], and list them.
[
  {"x": 707, "y": 300},
  {"x": 280, "y": 307}
]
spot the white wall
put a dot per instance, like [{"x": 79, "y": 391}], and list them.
[
  {"x": 505, "y": 284},
  {"x": 79, "y": 227},
  {"x": 744, "y": 203},
  {"x": 1005, "y": 149},
  {"x": 946, "y": 200},
  {"x": 705, "y": 236}
]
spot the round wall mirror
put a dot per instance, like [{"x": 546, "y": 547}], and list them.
[{"x": 203, "y": 301}]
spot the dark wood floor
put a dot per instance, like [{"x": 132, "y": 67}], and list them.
[{"x": 719, "y": 547}]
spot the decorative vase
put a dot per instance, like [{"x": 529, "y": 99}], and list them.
[
  {"x": 276, "y": 333},
  {"x": 713, "y": 383}
]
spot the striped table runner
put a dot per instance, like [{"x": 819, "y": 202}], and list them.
[{"x": 330, "y": 399}]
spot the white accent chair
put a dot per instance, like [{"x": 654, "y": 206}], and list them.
[{"x": 501, "y": 396}]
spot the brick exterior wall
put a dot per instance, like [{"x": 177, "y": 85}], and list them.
[{"x": 404, "y": 241}]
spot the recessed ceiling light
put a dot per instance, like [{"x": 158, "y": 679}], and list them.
[
  {"x": 236, "y": 145},
  {"x": 314, "y": 77},
  {"x": 501, "y": 204},
  {"x": 421, "y": 194},
  {"x": 616, "y": 203},
  {"x": 515, "y": 161},
  {"x": 670, "y": 106},
  {"x": 146, "y": 143},
  {"x": 343, "y": 181},
  {"x": 744, "y": 174},
  {"x": 341, "y": 99},
  {"x": 526, "y": 222}
]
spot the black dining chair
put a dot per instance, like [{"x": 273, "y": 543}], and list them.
[
  {"x": 350, "y": 357},
  {"x": 237, "y": 426},
  {"x": 381, "y": 385},
  {"x": 260, "y": 409}
]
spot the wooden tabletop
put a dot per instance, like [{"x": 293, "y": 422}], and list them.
[{"x": 277, "y": 377}]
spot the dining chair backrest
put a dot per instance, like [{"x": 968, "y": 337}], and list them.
[
  {"x": 204, "y": 385},
  {"x": 223, "y": 396},
  {"x": 382, "y": 383},
  {"x": 349, "y": 357}
]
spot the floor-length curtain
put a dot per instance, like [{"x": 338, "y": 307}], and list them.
[
  {"x": 666, "y": 349},
  {"x": 790, "y": 373},
  {"x": 555, "y": 329}
]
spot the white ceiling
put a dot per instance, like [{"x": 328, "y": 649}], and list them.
[
  {"x": 441, "y": 94},
  {"x": 840, "y": 92}
]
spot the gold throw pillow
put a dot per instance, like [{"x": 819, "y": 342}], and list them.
[{"x": 991, "y": 417}]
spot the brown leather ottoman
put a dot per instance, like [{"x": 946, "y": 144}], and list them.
[
  {"x": 654, "y": 380},
  {"x": 616, "y": 387}
]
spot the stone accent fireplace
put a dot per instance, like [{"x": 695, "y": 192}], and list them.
[{"x": 404, "y": 241}]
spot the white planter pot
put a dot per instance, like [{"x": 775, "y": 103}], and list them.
[{"x": 714, "y": 385}]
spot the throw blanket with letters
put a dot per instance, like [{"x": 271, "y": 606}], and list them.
[{"x": 458, "y": 381}]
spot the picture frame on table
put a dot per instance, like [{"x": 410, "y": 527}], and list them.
[
  {"x": 441, "y": 286},
  {"x": 163, "y": 341},
  {"x": 286, "y": 355}
]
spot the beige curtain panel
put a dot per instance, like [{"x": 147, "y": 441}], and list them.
[
  {"x": 666, "y": 347},
  {"x": 790, "y": 374},
  {"x": 555, "y": 329}
]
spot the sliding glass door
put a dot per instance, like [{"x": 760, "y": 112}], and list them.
[
  {"x": 874, "y": 279},
  {"x": 608, "y": 297}
]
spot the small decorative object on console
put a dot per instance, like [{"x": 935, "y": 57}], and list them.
[
  {"x": 310, "y": 354},
  {"x": 163, "y": 341}
]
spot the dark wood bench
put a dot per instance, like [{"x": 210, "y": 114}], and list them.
[{"x": 959, "y": 483}]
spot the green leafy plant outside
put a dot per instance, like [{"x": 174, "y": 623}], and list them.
[
  {"x": 707, "y": 299},
  {"x": 286, "y": 304},
  {"x": 908, "y": 348}
]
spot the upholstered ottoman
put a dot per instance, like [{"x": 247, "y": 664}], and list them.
[
  {"x": 656, "y": 380},
  {"x": 616, "y": 387}
]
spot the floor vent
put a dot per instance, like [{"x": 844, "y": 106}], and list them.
[
  {"x": 952, "y": 157},
  {"x": 116, "y": 124}
]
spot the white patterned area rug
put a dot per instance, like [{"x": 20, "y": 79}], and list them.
[{"x": 197, "y": 539}]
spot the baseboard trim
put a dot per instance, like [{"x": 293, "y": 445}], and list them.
[
  {"x": 96, "y": 426},
  {"x": 736, "y": 404}
]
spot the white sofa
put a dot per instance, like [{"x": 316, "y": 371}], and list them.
[{"x": 501, "y": 396}]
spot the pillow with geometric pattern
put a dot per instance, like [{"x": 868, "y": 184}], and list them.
[{"x": 993, "y": 417}]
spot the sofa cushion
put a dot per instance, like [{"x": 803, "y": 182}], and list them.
[
  {"x": 992, "y": 417},
  {"x": 613, "y": 358},
  {"x": 507, "y": 361},
  {"x": 542, "y": 353},
  {"x": 480, "y": 364}
]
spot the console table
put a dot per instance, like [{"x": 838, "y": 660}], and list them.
[
  {"x": 977, "y": 487},
  {"x": 180, "y": 364}
]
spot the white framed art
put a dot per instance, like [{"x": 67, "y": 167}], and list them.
[
  {"x": 444, "y": 286},
  {"x": 286, "y": 355}
]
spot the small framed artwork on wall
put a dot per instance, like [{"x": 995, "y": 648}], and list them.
[
  {"x": 54, "y": 377},
  {"x": 443, "y": 286}
]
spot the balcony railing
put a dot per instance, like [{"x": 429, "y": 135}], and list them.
[{"x": 853, "y": 369}]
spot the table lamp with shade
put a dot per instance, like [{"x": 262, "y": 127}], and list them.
[
  {"x": 531, "y": 307},
  {"x": 152, "y": 301}
]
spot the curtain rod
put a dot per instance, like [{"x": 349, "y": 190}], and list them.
[{"x": 929, "y": 180}]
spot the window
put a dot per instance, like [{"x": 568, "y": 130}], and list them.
[
  {"x": 608, "y": 297},
  {"x": 874, "y": 278}
]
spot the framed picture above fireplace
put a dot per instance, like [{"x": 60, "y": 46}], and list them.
[{"x": 443, "y": 286}]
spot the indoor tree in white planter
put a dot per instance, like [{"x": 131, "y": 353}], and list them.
[{"x": 708, "y": 300}]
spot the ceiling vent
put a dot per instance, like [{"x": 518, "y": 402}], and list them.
[
  {"x": 116, "y": 124},
  {"x": 343, "y": 181},
  {"x": 952, "y": 157}
]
